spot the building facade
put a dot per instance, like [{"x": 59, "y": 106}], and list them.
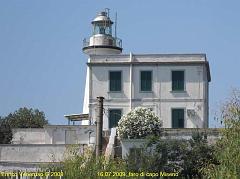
[
  {"x": 174, "y": 86},
  {"x": 32, "y": 148}
]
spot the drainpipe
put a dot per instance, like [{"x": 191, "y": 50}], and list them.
[{"x": 130, "y": 76}]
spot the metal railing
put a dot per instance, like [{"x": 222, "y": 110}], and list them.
[
  {"x": 85, "y": 42},
  {"x": 117, "y": 42}
]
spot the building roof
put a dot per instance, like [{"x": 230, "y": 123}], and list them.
[
  {"x": 151, "y": 59},
  {"x": 77, "y": 117}
]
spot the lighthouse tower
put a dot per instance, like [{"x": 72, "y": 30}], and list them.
[
  {"x": 102, "y": 42},
  {"x": 174, "y": 86}
]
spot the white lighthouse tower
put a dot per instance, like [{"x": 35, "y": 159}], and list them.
[
  {"x": 174, "y": 86},
  {"x": 102, "y": 42}
]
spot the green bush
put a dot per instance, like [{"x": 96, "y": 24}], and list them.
[
  {"x": 228, "y": 146},
  {"x": 87, "y": 166},
  {"x": 139, "y": 123}
]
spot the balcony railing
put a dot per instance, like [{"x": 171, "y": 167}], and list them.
[
  {"x": 116, "y": 42},
  {"x": 85, "y": 42}
]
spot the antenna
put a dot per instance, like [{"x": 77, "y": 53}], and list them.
[
  {"x": 107, "y": 10},
  {"x": 115, "y": 25}
]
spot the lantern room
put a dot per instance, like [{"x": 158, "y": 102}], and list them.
[{"x": 102, "y": 41}]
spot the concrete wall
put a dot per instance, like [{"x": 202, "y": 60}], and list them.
[
  {"x": 55, "y": 134},
  {"x": 28, "y": 136},
  {"x": 31, "y": 156},
  {"x": 32, "y": 153},
  {"x": 70, "y": 134},
  {"x": 168, "y": 134},
  {"x": 162, "y": 99},
  {"x": 33, "y": 147}
]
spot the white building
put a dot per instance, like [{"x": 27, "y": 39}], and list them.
[
  {"x": 32, "y": 148},
  {"x": 174, "y": 86}
]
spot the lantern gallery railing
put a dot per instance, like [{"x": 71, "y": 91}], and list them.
[{"x": 116, "y": 43}]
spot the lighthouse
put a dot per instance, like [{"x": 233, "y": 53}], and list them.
[
  {"x": 173, "y": 86},
  {"x": 102, "y": 41}
]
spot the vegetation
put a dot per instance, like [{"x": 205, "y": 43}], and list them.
[
  {"x": 227, "y": 149},
  {"x": 186, "y": 157},
  {"x": 139, "y": 123},
  {"x": 87, "y": 166},
  {"x": 157, "y": 156},
  {"x": 5, "y": 132},
  {"x": 26, "y": 118},
  {"x": 195, "y": 158},
  {"x": 22, "y": 118},
  {"x": 197, "y": 155}
]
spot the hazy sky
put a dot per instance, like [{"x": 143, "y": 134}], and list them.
[{"x": 42, "y": 65}]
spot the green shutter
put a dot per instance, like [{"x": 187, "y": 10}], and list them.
[
  {"x": 115, "y": 81},
  {"x": 177, "y": 118},
  {"x": 177, "y": 80},
  {"x": 114, "y": 117},
  {"x": 146, "y": 81}
]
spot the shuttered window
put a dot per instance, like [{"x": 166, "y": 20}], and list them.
[
  {"x": 146, "y": 80},
  {"x": 177, "y": 80},
  {"x": 177, "y": 118},
  {"x": 115, "y": 79},
  {"x": 114, "y": 116}
]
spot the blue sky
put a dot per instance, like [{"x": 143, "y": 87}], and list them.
[{"x": 42, "y": 65}]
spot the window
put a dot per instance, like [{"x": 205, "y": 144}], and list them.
[
  {"x": 114, "y": 116},
  {"x": 146, "y": 81},
  {"x": 115, "y": 78},
  {"x": 177, "y": 80},
  {"x": 177, "y": 118}
]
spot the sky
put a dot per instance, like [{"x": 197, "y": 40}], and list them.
[{"x": 42, "y": 64}]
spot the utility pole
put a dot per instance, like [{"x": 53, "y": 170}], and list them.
[{"x": 99, "y": 125}]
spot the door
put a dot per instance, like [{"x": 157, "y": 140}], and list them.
[{"x": 177, "y": 118}]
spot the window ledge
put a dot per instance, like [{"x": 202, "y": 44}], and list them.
[
  {"x": 182, "y": 91},
  {"x": 145, "y": 91},
  {"x": 114, "y": 92}
]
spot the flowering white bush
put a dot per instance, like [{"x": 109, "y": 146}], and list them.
[{"x": 139, "y": 123}]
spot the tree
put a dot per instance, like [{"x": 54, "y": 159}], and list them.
[
  {"x": 27, "y": 118},
  {"x": 198, "y": 154},
  {"x": 22, "y": 118},
  {"x": 186, "y": 157},
  {"x": 139, "y": 123},
  {"x": 167, "y": 155},
  {"x": 5, "y": 132},
  {"x": 228, "y": 146}
]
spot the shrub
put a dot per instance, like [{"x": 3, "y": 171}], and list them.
[
  {"x": 77, "y": 165},
  {"x": 227, "y": 147},
  {"x": 138, "y": 124}
]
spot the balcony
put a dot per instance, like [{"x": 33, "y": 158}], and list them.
[{"x": 114, "y": 42}]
